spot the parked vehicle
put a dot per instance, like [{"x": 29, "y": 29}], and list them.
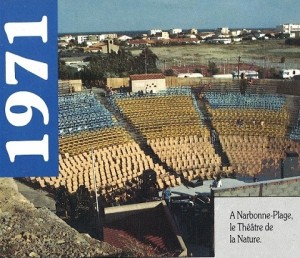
[
  {"x": 245, "y": 74},
  {"x": 288, "y": 73},
  {"x": 223, "y": 76},
  {"x": 190, "y": 75}
]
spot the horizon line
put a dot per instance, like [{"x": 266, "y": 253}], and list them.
[{"x": 136, "y": 30}]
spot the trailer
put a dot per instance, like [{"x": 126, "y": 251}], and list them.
[
  {"x": 245, "y": 74},
  {"x": 223, "y": 76},
  {"x": 190, "y": 75},
  {"x": 288, "y": 73}
]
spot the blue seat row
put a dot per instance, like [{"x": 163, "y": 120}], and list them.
[
  {"x": 82, "y": 112},
  {"x": 236, "y": 100}
]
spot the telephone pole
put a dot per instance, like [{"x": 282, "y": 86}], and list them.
[{"x": 239, "y": 60}]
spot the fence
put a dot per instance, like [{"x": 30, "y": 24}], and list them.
[
  {"x": 289, "y": 87},
  {"x": 68, "y": 86},
  {"x": 116, "y": 83}
]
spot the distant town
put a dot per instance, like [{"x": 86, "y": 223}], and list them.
[
  {"x": 175, "y": 36},
  {"x": 77, "y": 50}
]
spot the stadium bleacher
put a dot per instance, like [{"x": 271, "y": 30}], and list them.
[
  {"x": 251, "y": 130},
  {"x": 81, "y": 112}
]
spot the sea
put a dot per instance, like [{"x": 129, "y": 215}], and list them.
[{"x": 134, "y": 33}]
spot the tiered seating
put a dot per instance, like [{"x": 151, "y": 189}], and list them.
[
  {"x": 118, "y": 163},
  {"x": 118, "y": 160},
  {"x": 250, "y": 121},
  {"x": 233, "y": 113},
  {"x": 236, "y": 100},
  {"x": 162, "y": 115},
  {"x": 191, "y": 156},
  {"x": 251, "y": 155},
  {"x": 115, "y": 167},
  {"x": 85, "y": 141},
  {"x": 81, "y": 112},
  {"x": 251, "y": 129},
  {"x": 173, "y": 126},
  {"x": 295, "y": 134}
]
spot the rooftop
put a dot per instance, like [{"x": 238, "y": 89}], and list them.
[{"x": 149, "y": 76}]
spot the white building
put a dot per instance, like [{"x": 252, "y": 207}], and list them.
[
  {"x": 154, "y": 31},
  {"x": 66, "y": 38},
  {"x": 223, "y": 30},
  {"x": 103, "y": 37},
  {"x": 148, "y": 83},
  {"x": 162, "y": 35},
  {"x": 290, "y": 28},
  {"x": 78, "y": 65},
  {"x": 124, "y": 38},
  {"x": 175, "y": 31},
  {"x": 235, "y": 33},
  {"x": 193, "y": 31},
  {"x": 91, "y": 42},
  {"x": 191, "y": 36},
  {"x": 81, "y": 38}
]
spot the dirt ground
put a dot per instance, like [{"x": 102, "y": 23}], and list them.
[
  {"x": 26, "y": 231},
  {"x": 265, "y": 53}
]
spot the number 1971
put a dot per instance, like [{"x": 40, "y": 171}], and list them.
[{"x": 26, "y": 99}]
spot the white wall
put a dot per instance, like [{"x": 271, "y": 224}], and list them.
[{"x": 155, "y": 85}]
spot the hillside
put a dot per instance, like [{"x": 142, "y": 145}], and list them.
[{"x": 29, "y": 232}]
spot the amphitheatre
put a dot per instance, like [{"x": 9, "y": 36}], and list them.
[
  {"x": 195, "y": 129},
  {"x": 109, "y": 140}
]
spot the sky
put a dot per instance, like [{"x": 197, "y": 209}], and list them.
[{"x": 128, "y": 15}]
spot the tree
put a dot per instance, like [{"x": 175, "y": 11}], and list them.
[
  {"x": 145, "y": 62},
  {"x": 66, "y": 72},
  {"x": 212, "y": 68},
  {"x": 102, "y": 66},
  {"x": 169, "y": 72},
  {"x": 243, "y": 86}
]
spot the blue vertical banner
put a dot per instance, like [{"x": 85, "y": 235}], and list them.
[{"x": 28, "y": 88}]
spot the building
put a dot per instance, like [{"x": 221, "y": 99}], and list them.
[
  {"x": 162, "y": 35},
  {"x": 154, "y": 31},
  {"x": 140, "y": 42},
  {"x": 223, "y": 30},
  {"x": 175, "y": 31},
  {"x": 103, "y": 37},
  {"x": 235, "y": 33},
  {"x": 78, "y": 65},
  {"x": 91, "y": 42},
  {"x": 81, "y": 38},
  {"x": 148, "y": 83},
  {"x": 191, "y": 36},
  {"x": 66, "y": 38},
  {"x": 289, "y": 28},
  {"x": 102, "y": 47},
  {"x": 193, "y": 31},
  {"x": 124, "y": 38}
]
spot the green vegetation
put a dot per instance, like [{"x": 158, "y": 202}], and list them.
[
  {"x": 120, "y": 64},
  {"x": 212, "y": 68},
  {"x": 66, "y": 72}
]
